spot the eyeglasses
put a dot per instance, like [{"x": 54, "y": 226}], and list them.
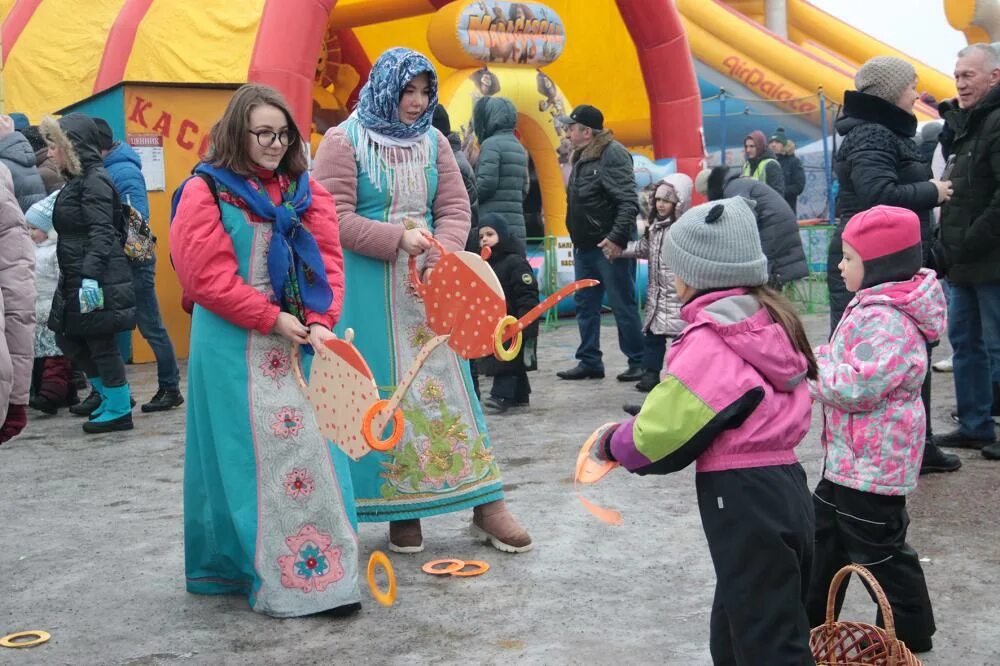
[{"x": 266, "y": 138}]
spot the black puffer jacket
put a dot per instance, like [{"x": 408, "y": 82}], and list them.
[
  {"x": 90, "y": 236},
  {"x": 520, "y": 288},
  {"x": 776, "y": 224},
  {"x": 877, "y": 164},
  {"x": 602, "y": 201},
  {"x": 469, "y": 180},
  {"x": 795, "y": 178},
  {"x": 970, "y": 221}
]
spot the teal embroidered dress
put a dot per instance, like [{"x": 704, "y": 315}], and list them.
[
  {"x": 268, "y": 506},
  {"x": 443, "y": 462}
]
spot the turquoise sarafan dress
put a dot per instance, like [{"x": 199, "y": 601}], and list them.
[
  {"x": 265, "y": 510},
  {"x": 443, "y": 462}
]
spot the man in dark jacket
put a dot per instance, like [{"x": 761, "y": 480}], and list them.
[
  {"x": 16, "y": 153},
  {"x": 125, "y": 168},
  {"x": 602, "y": 205},
  {"x": 968, "y": 252},
  {"x": 442, "y": 122},
  {"x": 502, "y": 166},
  {"x": 779, "y": 231},
  {"x": 791, "y": 167}
]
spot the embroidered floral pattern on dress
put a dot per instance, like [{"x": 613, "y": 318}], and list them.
[
  {"x": 286, "y": 422},
  {"x": 276, "y": 364},
  {"x": 420, "y": 335},
  {"x": 314, "y": 563},
  {"x": 299, "y": 484},
  {"x": 440, "y": 458},
  {"x": 432, "y": 391}
]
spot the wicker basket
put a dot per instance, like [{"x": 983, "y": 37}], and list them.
[{"x": 855, "y": 643}]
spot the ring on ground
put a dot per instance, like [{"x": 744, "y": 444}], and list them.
[
  {"x": 387, "y": 597},
  {"x": 13, "y": 640},
  {"x": 453, "y": 566},
  {"x": 483, "y": 567}
]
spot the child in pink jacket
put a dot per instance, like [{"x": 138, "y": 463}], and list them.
[
  {"x": 873, "y": 420},
  {"x": 735, "y": 398}
]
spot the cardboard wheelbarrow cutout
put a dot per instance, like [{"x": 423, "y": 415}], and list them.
[{"x": 465, "y": 307}]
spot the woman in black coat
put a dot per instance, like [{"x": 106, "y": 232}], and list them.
[
  {"x": 95, "y": 298},
  {"x": 879, "y": 163},
  {"x": 507, "y": 259}
]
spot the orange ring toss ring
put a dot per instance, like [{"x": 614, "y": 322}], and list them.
[
  {"x": 453, "y": 566},
  {"x": 11, "y": 640},
  {"x": 483, "y": 567},
  {"x": 589, "y": 471},
  {"x": 371, "y": 438},
  {"x": 498, "y": 334},
  {"x": 388, "y": 597}
]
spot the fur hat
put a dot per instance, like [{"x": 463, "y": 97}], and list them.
[
  {"x": 701, "y": 182},
  {"x": 887, "y": 239},
  {"x": 716, "y": 246},
  {"x": 885, "y": 77}
]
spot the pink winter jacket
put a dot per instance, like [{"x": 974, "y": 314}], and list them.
[
  {"x": 17, "y": 299},
  {"x": 734, "y": 396},
  {"x": 869, "y": 385}
]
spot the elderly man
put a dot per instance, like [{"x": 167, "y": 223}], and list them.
[
  {"x": 968, "y": 252},
  {"x": 602, "y": 207}
]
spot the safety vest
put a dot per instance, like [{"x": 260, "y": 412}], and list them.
[{"x": 758, "y": 173}]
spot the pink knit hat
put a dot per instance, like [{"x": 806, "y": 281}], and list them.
[{"x": 887, "y": 239}]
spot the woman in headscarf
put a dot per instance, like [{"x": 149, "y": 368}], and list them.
[
  {"x": 396, "y": 183},
  {"x": 268, "y": 506}
]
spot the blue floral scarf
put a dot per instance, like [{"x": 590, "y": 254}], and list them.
[
  {"x": 294, "y": 262},
  {"x": 378, "y": 101}
]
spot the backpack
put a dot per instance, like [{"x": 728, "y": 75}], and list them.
[
  {"x": 140, "y": 243},
  {"x": 176, "y": 197}
]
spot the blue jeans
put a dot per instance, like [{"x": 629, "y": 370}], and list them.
[
  {"x": 974, "y": 331},
  {"x": 147, "y": 315},
  {"x": 618, "y": 280},
  {"x": 654, "y": 351}
]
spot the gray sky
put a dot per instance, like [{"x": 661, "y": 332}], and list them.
[{"x": 918, "y": 28}]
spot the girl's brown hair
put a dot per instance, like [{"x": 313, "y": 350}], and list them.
[
  {"x": 228, "y": 149},
  {"x": 783, "y": 312}
]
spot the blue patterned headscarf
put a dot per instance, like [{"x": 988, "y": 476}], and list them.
[{"x": 378, "y": 102}]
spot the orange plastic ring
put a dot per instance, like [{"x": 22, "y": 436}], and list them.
[
  {"x": 483, "y": 568},
  {"x": 498, "y": 333},
  {"x": 388, "y": 597},
  {"x": 453, "y": 566},
  {"x": 370, "y": 437},
  {"x": 36, "y": 637}
]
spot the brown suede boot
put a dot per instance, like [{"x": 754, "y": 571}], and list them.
[
  {"x": 492, "y": 522},
  {"x": 405, "y": 536}
]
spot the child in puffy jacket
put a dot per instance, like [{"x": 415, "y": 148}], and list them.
[
  {"x": 668, "y": 201},
  {"x": 52, "y": 383},
  {"x": 873, "y": 420},
  {"x": 507, "y": 259},
  {"x": 734, "y": 397}
]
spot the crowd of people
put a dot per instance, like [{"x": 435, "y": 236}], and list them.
[{"x": 277, "y": 260}]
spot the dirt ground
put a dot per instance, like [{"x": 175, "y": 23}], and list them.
[{"x": 92, "y": 552}]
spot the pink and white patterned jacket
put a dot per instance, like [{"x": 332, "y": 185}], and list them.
[{"x": 869, "y": 385}]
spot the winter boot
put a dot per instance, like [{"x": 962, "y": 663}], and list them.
[
  {"x": 405, "y": 536},
  {"x": 493, "y": 523},
  {"x": 163, "y": 400},
  {"x": 935, "y": 460},
  {"x": 116, "y": 413},
  {"x": 648, "y": 382},
  {"x": 92, "y": 402}
]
